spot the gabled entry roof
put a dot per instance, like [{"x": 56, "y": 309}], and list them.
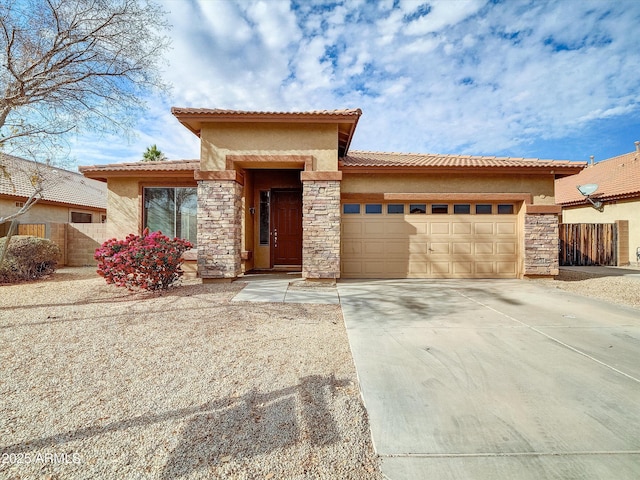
[{"x": 346, "y": 119}]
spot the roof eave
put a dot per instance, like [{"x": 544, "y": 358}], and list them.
[
  {"x": 547, "y": 170},
  {"x": 57, "y": 203},
  {"x": 194, "y": 120},
  {"x": 602, "y": 198}
]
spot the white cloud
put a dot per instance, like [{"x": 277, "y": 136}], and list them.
[{"x": 457, "y": 77}]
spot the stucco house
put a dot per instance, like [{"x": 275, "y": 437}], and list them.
[
  {"x": 67, "y": 196},
  {"x": 618, "y": 182},
  {"x": 282, "y": 190}
]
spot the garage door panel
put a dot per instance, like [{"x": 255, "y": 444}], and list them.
[
  {"x": 373, "y": 228},
  {"x": 483, "y": 248},
  {"x": 421, "y": 268},
  {"x": 430, "y": 246},
  {"x": 439, "y": 228},
  {"x": 373, "y": 247},
  {"x": 352, "y": 228},
  {"x": 485, "y": 268},
  {"x": 506, "y": 268},
  {"x": 351, "y": 268},
  {"x": 440, "y": 248},
  {"x": 464, "y": 269},
  {"x": 421, "y": 228},
  {"x": 483, "y": 228},
  {"x": 506, "y": 248},
  {"x": 462, "y": 228},
  {"x": 440, "y": 268},
  {"x": 418, "y": 247},
  {"x": 505, "y": 228},
  {"x": 397, "y": 248},
  {"x": 463, "y": 248},
  {"x": 399, "y": 229},
  {"x": 395, "y": 268}
]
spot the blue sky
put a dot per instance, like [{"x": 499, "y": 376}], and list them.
[{"x": 557, "y": 79}]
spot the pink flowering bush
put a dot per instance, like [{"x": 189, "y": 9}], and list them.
[{"x": 150, "y": 261}]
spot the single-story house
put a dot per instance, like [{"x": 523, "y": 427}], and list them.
[
  {"x": 67, "y": 196},
  {"x": 282, "y": 190},
  {"x": 618, "y": 189}
]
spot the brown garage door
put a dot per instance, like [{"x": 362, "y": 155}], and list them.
[{"x": 387, "y": 241}]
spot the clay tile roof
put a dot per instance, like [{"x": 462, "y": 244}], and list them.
[
  {"x": 220, "y": 112},
  {"x": 62, "y": 186},
  {"x": 617, "y": 177},
  {"x": 163, "y": 166},
  {"x": 382, "y": 160}
]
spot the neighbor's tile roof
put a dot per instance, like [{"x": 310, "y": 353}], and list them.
[
  {"x": 381, "y": 159},
  {"x": 160, "y": 166},
  {"x": 60, "y": 185},
  {"x": 617, "y": 177}
]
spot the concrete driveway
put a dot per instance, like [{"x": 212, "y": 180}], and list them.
[{"x": 484, "y": 379}]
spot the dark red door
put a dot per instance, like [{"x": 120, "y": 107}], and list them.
[{"x": 286, "y": 227}]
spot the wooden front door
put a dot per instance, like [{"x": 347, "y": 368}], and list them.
[{"x": 286, "y": 227}]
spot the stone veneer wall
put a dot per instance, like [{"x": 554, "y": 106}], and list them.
[
  {"x": 321, "y": 229},
  {"x": 219, "y": 229},
  {"x": 541, "y": 243}
]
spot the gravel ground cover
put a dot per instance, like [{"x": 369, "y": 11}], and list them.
[
  {"x": 100, "y": 383},
  {"x": 620, "y": 290}
]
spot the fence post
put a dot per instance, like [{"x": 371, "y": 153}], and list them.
[{"x": 622, "y": 242}]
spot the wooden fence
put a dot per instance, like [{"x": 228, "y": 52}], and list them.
[
  {"x": 583, "y": 244},
  {"x": 34, "y": 229}
]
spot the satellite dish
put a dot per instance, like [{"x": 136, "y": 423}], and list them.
[{"x": 587, "y": 189}]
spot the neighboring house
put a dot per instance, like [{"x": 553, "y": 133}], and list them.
[
  {"x": 277, "y": 190},
  {"x": 66, "y": 197},
  {"x": 618, "y": 181}
]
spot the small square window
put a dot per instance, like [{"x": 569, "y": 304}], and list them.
[
  {"x": 370, "y": 208},
  {"x": 462, "y": 208},
  {"x": 351, "y": 208},
  {"x": 483, "y": 209},
  {"x": 440, "y": 208},
  {"x": 395, "y": 208},
  {"x": 418, "y": 208},
  {"x": 505, "y": 209}
]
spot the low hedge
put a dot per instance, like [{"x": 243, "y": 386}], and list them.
[{"x": 28, "y": 258}]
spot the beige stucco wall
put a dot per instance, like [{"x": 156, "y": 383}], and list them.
[
  {"x": 622, "y": 210},
  {"x": 123, "y": 207},
  {"x": 540, "y": 186},
  {"x": 43, "y": 213},
  {"x": 221, "y": 139}
]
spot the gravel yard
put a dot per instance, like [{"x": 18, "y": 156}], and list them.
[
  {"x": 97, "y": 382},
  {"x": 620, "y": 290}
]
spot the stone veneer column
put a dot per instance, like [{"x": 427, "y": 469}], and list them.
[
  {"x": 219, "y": 229},
  {"x": 541, "y": 244},
  {"x": 321, "y": 225}
]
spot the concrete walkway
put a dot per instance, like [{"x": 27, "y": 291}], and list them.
[
  {"x": 481, "y": 379},
  {"x": 284, "y": 288}
]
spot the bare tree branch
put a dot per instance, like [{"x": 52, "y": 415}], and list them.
[
  {"x": 68, "y": 65},
  {"x": 93, "y": 60}
]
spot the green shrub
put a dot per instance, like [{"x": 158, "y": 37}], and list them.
[{"x": 28, "y": 258}]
